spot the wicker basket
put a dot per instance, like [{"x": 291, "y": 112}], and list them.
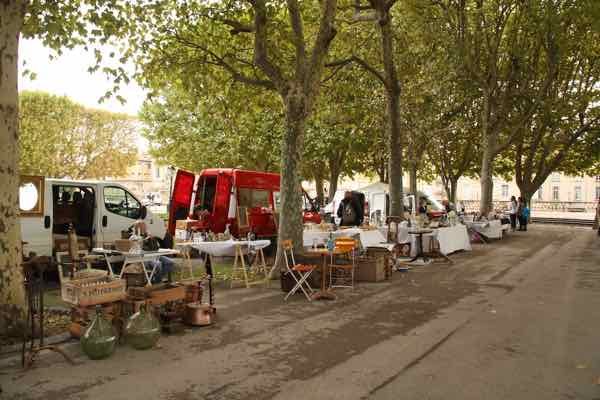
[{"x": 91, "y": 291}]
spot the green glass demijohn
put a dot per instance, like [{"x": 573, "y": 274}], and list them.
[
  {"x": 142, "y": 329},
  {"x": 99, "y": 339}
]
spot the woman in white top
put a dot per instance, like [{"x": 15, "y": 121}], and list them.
[{"x": 514, "y": 206}]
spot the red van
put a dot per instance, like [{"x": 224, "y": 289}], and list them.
[{"x": 245, "y": 200}]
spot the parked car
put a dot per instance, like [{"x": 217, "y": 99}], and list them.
[
  {"x": 98, "y": 211},
  {"x": 244, "y": 200},
  {"x": 152, "y": 199}
]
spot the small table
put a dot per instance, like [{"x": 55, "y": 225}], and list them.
[
  {"x": 236, "y": 249},
  {"x": 130, "y": 258},
  {"x": 419, "y": 242},
  {"x": 324, "y": 293},
  {"x": 147, "y": 256}
]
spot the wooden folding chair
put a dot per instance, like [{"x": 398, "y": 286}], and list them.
[
  {"x": 345, "y": 248},
  {"x": 299, "y": 272}
]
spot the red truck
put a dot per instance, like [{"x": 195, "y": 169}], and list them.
[{"x": 244, "y": 200}]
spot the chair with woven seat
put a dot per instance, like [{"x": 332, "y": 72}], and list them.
[
  {"x": 299, "y": 272},
  {"x": 343, "y": 263}
]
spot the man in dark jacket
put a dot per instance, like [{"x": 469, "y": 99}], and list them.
[{"x": 349, "y": 211}]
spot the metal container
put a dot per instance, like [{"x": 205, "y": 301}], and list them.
[{"x": 197, "y": 314}]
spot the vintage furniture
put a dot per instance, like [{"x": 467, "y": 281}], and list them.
[
  {"x": 341, "y": 270},
  {"x": 419, "y": 244},
  {"x": 34, "y": 290},
  {"x": 299, "y": 272}
]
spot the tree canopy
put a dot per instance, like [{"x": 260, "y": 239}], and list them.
[{"x": 60, "y": 138}]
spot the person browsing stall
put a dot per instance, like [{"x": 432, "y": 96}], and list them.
[
  {"x": 514, "y": 208},
  {"x": 349, "y": 211},
  {"x": 422, "y": 206}
]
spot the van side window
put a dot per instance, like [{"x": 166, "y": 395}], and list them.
[
  {"x": 252, "y": 198},
  {"x": 119, "y": 201}
]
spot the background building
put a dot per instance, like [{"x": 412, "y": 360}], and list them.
[{"x": 147, "y": 177}]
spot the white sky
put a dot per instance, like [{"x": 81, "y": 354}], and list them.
[{"x": 68, "y": 75}]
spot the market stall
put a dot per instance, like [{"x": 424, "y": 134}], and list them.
[
  {"x": 493, "y": 229},
  {"x": 368, "y": 237},
  {"x": 451, "y": 238}
]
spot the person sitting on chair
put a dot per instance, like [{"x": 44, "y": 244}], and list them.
[{"x": 165, "y": 264}]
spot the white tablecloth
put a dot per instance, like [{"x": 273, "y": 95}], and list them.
[
  {"x": 368, "y": 238},
  {"x": 451, "y": 239},
  {"x": 490, "y": 229},
  {"x": 227, "y": 247}
]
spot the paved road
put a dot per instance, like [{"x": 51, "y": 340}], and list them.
[{"x": 516, "y": 319}]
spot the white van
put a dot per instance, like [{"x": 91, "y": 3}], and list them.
[{"x": 98, "y": 210}]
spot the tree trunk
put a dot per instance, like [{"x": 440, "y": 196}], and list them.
[
  {"x": 334, "y": 177},
  {"x": 453, "y": 188},
  {"x": 381, "y": 174},
  {"x": 487, "y": 176},
  {"x": 319, "y": 187},
  {"x": 393, "y": 104},
  {"x": 290, "y": 217},
  {"x": 413, "y": 178},
  {"x": 12, "y": 293},
  {"x": 487, "y": 159}
]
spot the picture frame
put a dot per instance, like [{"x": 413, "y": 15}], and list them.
[{"x": 31, "y": 196}]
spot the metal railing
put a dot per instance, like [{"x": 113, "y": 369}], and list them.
[{"x": 558, "y": 206}]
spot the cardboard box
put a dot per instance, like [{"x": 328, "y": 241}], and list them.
[
  {"x": 188, "y": 224},
  {"x": 370, "y": 269},
  {"x": 123, "y": 244},
  {"x": 63, "y": 244}
]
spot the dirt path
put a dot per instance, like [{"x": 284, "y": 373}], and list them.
[{"x": 263, "y": 347}]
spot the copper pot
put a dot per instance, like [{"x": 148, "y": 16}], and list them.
[{"x": 197, "y": 314}]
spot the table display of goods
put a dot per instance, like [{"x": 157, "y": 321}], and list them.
[
  {"x": 143, "y": 329},
  {"x": 99, "y": 339},
  {"x": 92, "y": 291}
]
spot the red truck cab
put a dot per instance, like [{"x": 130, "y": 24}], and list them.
[{"x": 244, "y": 200}]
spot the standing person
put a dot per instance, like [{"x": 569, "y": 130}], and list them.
[
  {"x": 597, "y": 219},
  {"x": 422, "y": 206},
  {"x": 524, "y": 219},
  {"x": 349, "y": 211},
  {"x": 520, "y": 205},
  {"x": 513, "y": 213}
]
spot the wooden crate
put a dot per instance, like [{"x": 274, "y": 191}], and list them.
[
  {"x": 388, "y": 259},
  {"x": 370, "y": 269},
  {"x": 161, "y": 296},
  {"x": 91, "y": 291}
]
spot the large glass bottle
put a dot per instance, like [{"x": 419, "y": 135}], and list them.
[
  {"x": 99, "y": 339},
  {"x": 142, "y": 329}
]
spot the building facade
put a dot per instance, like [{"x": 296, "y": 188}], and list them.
[{"x": 146, "y": 177}]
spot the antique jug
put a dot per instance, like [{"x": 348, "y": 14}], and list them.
[
  {"x": 142, "y": 329},
  {"x": 99, "y": 339}
]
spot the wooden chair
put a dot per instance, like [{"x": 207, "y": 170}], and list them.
[
  {"x": 343, "y": 263},
  {"x": 299, "y": 272},
  {"x": 64, "y": 260}
]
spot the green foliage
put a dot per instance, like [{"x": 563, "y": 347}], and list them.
[
  {"x": 197, "y": 129},
  {"x": 60, "y": 138}
]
